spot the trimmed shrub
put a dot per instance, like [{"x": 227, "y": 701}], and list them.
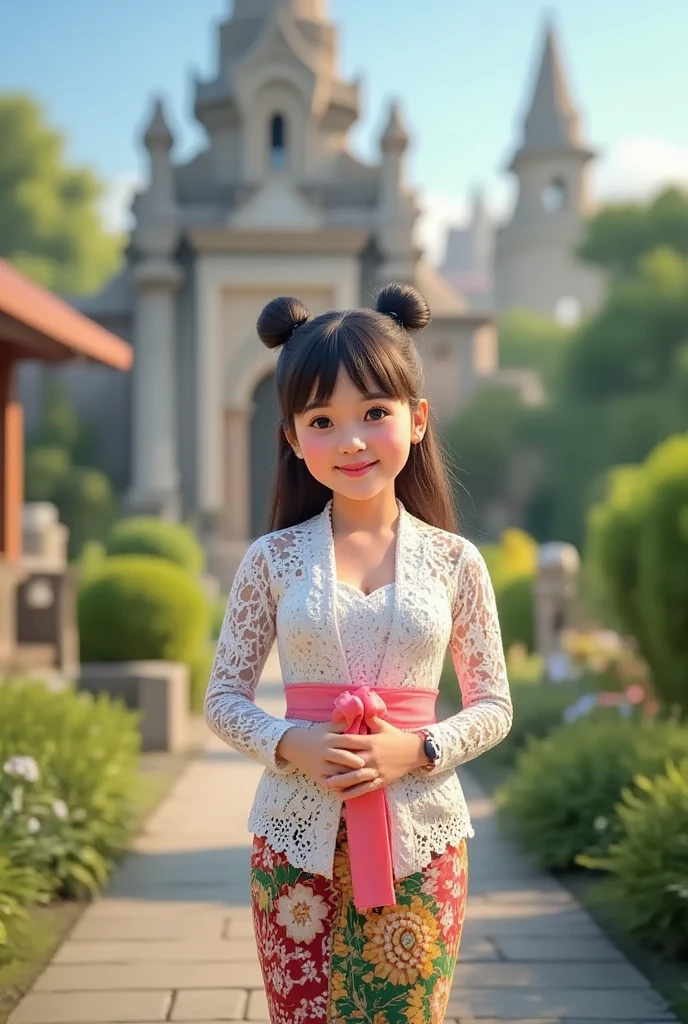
[
  {"x": 139, "y": 607},
  {"x": 648, "y": 887},
  {"x": 561, "y": 799},
  {"x": 147, "y": 535},
  {"x": 538, "y": 711},
  {"x": 516, "y": 615}
]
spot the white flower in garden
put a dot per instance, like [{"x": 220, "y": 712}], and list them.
[
  {"x": 22, "y": 767},
  {"x": 33, "y": 825},
  {"x": 600, "y": 823},
  {"x": 301, "y": 913},
  {"x": 60, "y": 809}
]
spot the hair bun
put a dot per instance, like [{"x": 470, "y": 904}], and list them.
[
  {"x": 405, "y": 304},
  {"x": 279, "y": 319}
]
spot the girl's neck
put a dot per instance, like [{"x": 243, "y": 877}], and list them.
[{"x": 374, "y": 515}]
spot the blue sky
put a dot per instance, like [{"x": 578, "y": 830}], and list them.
[{"x": 463, "y": 71}]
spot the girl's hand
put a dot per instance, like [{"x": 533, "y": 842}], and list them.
[
  {"x": 322, "y": 752},
  {"x": 388, "y": 754}
]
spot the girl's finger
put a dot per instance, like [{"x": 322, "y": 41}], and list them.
[{"x": 344, "y": 757}]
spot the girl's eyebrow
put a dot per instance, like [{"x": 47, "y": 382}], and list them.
[{"x": 370, "y": 396}]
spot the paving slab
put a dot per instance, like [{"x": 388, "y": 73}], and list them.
[
  {"x": 118, "y": 1007},
  {"x": 215, "y": 1004}
]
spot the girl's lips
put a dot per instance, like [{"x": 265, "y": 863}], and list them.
[{"x": 356, "y": 470}]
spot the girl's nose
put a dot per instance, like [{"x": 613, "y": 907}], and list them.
[{"x": 351, "y": 444}]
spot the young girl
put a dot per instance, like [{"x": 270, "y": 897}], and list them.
[{"x": 358, "y": 864}]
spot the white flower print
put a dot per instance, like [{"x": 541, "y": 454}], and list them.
[{"x": 301, "y": 913}]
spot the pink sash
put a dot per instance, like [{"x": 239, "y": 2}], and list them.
[{"x": 367, "y": 817}]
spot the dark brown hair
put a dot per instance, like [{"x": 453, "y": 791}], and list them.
[{"x": 374, "y": 346}]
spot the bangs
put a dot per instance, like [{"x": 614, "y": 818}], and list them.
[{"x": 369, "y": 357}]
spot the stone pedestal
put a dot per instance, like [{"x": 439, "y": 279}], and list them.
[{"x": 555, "y": 595}]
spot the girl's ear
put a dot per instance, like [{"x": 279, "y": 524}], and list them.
[
  {"x": 419, "y": 421},
  {"x": 291, "y": 438}
]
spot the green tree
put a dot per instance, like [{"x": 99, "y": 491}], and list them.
[
  {"x": 529, "y": 340},
  {"x": 620, "y": 235},
  {"x": 49, "y": 221}
]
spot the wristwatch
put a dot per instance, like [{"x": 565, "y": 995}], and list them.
[{"x": 429, "y": 748}]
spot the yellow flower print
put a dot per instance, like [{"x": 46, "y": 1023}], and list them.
[
  {"x": 415, "y": 1011},
  {"x": 402, "y": 943},
  {"x": 338, "y": 988}
]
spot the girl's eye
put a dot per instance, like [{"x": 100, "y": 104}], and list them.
[{"x": 322, "y": 422}]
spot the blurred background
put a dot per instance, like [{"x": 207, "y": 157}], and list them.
[{"x": 167, "y": 167}]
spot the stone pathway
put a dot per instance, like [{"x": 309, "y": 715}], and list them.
[{"x": 172, "y": 938}]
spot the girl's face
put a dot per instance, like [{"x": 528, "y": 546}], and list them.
[{"x": 356, "y": 444}]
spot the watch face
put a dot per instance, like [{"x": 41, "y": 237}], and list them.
[{"x": 430, "y": 749}]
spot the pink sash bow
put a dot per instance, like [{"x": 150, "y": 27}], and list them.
[{"x": 367, "y": 817}]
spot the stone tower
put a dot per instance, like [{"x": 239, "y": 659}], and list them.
[{"x": 535, "y": 265}]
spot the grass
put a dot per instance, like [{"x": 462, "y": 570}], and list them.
[{"x": 48, "y": 927}]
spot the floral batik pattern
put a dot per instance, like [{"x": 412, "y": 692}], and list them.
[{"x": 323, "y": 960}]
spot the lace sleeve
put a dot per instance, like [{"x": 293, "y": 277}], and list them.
[
  {"x": 246, "y": 638},
  {"x": 478, "y": 657}
]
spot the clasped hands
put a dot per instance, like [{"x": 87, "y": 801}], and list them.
[{"x": 352, "y": 764}]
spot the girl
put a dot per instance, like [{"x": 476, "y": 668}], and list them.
[{"x": 358, "y": 864}]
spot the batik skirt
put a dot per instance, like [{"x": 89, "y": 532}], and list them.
[{"x": 323, "y": 960}]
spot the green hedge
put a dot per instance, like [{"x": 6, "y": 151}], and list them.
[
  {"x": 147, "y": 535},
  {"x": 648, "y": 866},
  {"x": 561, "y": 800},
  {"x": 68, "y": 776},
  {"x": 137, "y": 607}
]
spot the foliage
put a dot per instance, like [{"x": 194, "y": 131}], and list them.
[
  {"x": 529, "y": 340},
  {"x": 140, "y": 607},
  {"x": 148, "y": 535},
  {"x": 86, "y": 502},
  {"x": 630, "y": 345},
  {"x": 516, "y": 612},
  {"x": 648, "y": 865},
  {"x": 50, "y": 226},
  {"x": 538, "y": 711},
  {"x": 619, "y": 236},
  {"x": 68, "y": 771},
  {"x": 561, "y": 799},
  {"x": 45, "y": 467},
  {"x": 638, "y": 541},
  {"x": 199, "y": 674},
  {"x": 515, "y": 555},
  {"x": 482, "y": 442}
]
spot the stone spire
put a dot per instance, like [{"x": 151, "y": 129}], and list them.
[
  {"x": 395, "y": 135},
  {"x": 159, "y": 140},
  {"x": 158, "y": 134},
  {"x": 552, "y": 122},
  {"x": 301, "y": 10}
]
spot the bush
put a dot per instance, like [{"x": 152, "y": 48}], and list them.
[
  {"x": 199, "y": 674},
  {"x": 538, "y": 711},
  {"x": 561, "y": 800},
  {"x": 68, "y": 775},
  {"x": 516, "y": 614},
  {"x": 147, "y": 535},
  {"x": 638, "y": 544},
  {"x": 649, "y": 863},
  {"x": 138, "y": 607}
]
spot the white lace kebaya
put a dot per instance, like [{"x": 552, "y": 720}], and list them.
[{"x": 286, "y": 587}]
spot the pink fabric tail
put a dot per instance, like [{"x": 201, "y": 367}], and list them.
[{"x": 367, "y": 817}]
